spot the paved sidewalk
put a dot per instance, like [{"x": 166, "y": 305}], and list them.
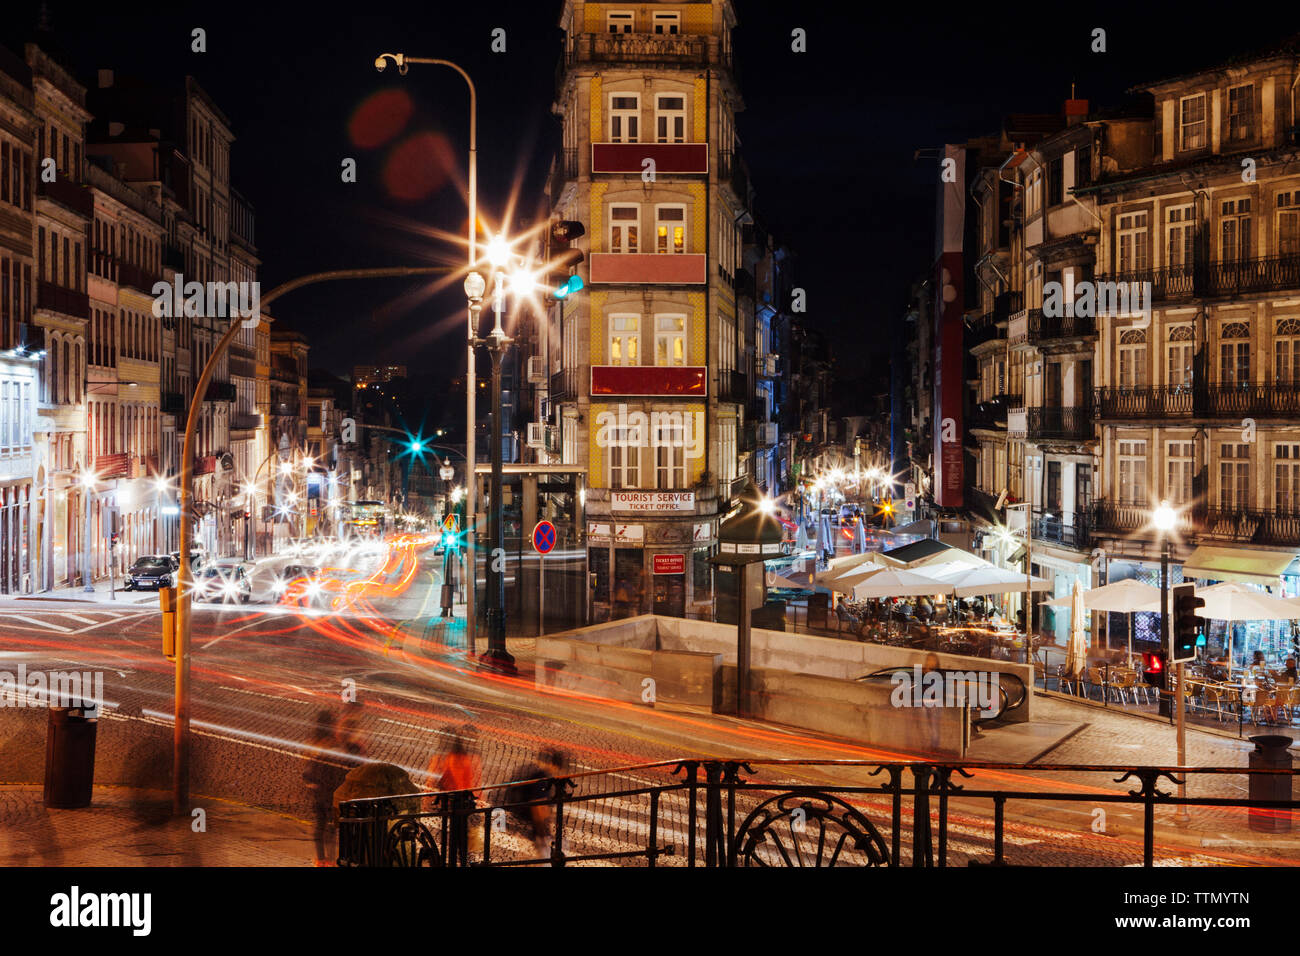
[
  {"x": 100, "y": 595},
  {"x": 130, "y": 827}
]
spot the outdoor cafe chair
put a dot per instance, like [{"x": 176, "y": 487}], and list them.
[{"x": 1264, "y": 707}]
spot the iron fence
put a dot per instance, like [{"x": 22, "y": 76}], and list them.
[{"x": 714, "y": 813}]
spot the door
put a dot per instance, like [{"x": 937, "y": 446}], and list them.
[
  {"x": 670, "y": 594},
  {"x": 629, "y": 585}
]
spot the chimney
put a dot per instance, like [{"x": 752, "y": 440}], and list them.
[
  {"x": 1076, "y": 111},
  {"x": 105, "y": 79}
]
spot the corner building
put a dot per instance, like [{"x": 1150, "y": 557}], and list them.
[{"x": 648, "y": 380}]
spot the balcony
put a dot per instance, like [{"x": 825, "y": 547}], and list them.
[
  {"x": 683, "y": 51},
  {"x": 1213, "y": 279},
  {"x": 173, "y": 257},
  {"x": 733, "y": 173},
  {"x": 993, "y": 413},
  {"x": 1248, "y": 400},
  {"x": 670, "y": 159},
  {"x": 732, "y": 387},
  {"x": 1074, "y": 531},
  {"x": 1017, "y": 420},
  {"x": 55, "y": 298},
  {"x": 1018, "y": 328},
  {"x": 1253, "y": 526},
  {"x": 1007, "y": 304},
  {"x": 137, "y": 277},
  {"x": 984, "y": 329},
  {"x": 112, "y": 466},
  {"x": 1130, "y": 402},
  {"x": 1126, "y": 518},
  {"x": 1044, "y": 328},
  {"x": 1061, "y": 422},
  {"x": 220, "y": 392},
  {"x": 69, "y": 195},
  {"x": 171, "y": 403},
  {"x": 638, "y": 268},
  {"x": 245, "y": 421},
  {"x": 564, "y": 386}
]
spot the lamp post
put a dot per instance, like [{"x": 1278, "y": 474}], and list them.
[
  {"x": 474, "y": 301},
  {"x": 497, "y": 657},
  {"x": 1163, "y": 519}
]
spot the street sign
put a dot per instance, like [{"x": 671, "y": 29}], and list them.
[
  {"x": 669, "y": 563},
  {"x": 449, "y": 522},
  {"x": 543, "y": 537}
]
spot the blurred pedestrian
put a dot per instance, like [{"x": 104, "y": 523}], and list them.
[
  {"x": 456, "y": 774},
  {"x": 537, "y": 786},
  {"x": 322, "y": 779}
]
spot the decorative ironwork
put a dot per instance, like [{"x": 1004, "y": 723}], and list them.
[
  {"x": 409, "y": 843},
  {"x": 809, "y": 829}
]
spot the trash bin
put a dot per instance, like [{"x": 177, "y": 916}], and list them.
[
  {"x": 818, "y": 609},
  {"x": 1270, "y": 753},
  {"x": 69, "y": 757}
]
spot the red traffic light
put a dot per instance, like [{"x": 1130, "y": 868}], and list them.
[{"x": 1152, "y": 663}]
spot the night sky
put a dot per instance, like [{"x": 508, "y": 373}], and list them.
[{"x": 830, "y": 135}]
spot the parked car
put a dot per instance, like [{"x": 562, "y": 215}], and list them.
[
  {"x": 151, "y": 571},
  {"x": 223, "y": 583},
  {"x": 197, "y": 559}
]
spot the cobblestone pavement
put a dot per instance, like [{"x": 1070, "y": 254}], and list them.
[
  {"x": 126, "y": 827},
  {"x": 262, "y": 675}
]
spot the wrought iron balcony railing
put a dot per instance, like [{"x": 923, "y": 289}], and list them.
[
  {"x": 1074, "y": 531},
  {"x": 1044, "y": 328},
  {"x": 1207, "y": 279},
  {"x": 1144, "y": 401},
  {"x": 1121, "y": 517},
  {"x": 1068, "y": 422},
  {"x": 1253, "y": 525}
]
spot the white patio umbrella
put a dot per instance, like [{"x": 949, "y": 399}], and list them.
[
  {"x": 1076, "y": 653},
  {"x": 969, "y": 581},
  {"x": 898, "y": 582},
  {"x": 1231, "y": 601},
  {"x": 825, "y": 539},
  {"x": 860, "y": 537},
  {"x": 1129, "y": 596},
  {"x": 843, "y": 578},
  {"x": 801, "y": 538}
]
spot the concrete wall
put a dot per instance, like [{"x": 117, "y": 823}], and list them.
[
  {"x": 667, "y": 680},
  {"x": 826, "y": 656}
]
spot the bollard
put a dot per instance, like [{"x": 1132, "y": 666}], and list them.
[{"x": 1270, "y": 753}]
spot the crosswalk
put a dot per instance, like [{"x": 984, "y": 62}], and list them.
[{"x": 40, "y": 617}]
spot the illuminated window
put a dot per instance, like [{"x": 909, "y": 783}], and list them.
[
  {"x": 624, "y": 339},
  {"x": 623, "y": 221},
  {"x": 670, "y": 229},
  {"x": 1191, "y": 125},
  {"x": 670, "y": 340}
]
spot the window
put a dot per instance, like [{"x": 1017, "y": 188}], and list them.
[
  {"x": 667, "y": 22},
  {"x": 1180, "y": 233},
  {"x": 1241, "y": 108},
  {"x": 1179, "y": 461},
  {"x": 1033, "y": 192},
  {"x": 1235, "y": 231},
  {"x": 1180, "y": 355},
  {"x": 1034, "y": 285},
  {"x": 1234, "y": 477},
  {"x": 622, "y": 227},
  {"x": 1133, "y": 243},
  {"x": 1288, "y": 223},
  {"x": 624, "y": 114},
  {"x": 624, "y": 457},
  {"x": 624, "y": 339},
  {"x": 670, "y": 118},
  {"x": 1286, "y": 478},
  {"x": 727, "y": 457},
  {"x": 670, "y": 340},
  {"x": 619, "y": 21},
  {"x": 1133, "y": 358},
  {"x": 1056, "y": 181},
  {"x": 726, "y": 344},
  {"x": 670, "y": 229},
  {"x": 1191, "y": 122},
  {"x": 1286, "y": 352},
  {"x": 1083, "y": 166},
  {"x": 670, "y": 453},
  {"x": 1133, "y": 472},
  {"x": 1234, "y": 354}
]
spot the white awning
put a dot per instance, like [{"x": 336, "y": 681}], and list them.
[{"x": 1237, "y": 564}]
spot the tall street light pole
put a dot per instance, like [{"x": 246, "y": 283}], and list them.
[
  {"x": 1163, "y": 518},
  {"x": 402, "y": 62},
  {"x": 497, "y": 657}
]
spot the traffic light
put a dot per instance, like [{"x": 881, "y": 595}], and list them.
[
  {"x": 1187, "y": 623},
  {"x": 449, "y": 540},
  {"x": 563, "y": 259},
  {"x": 1153, "y": 668}
]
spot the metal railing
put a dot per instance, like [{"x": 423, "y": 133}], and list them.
[
  {"x": 712, "y": 813},
  {"x": 1068, "y": 422},
  {"x": 1127, "y": 517},
  {"x": 1252, "y": 525},
  {"x": 1144, "y": 401},
  {"x": 1202, "y": 279},
  {"x": 1075, "y": 533},
  {"x": 674, "y": 50},
  {"x": 1044, "y": 327},
  {"x": 1248, "y": 399}
]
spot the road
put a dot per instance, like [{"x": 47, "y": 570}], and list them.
[{"x": 261, "y": 673}]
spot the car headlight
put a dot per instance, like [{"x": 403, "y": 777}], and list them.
[
  {"x": 279, "y": 587},
  {"x": 229, "y": 589}
]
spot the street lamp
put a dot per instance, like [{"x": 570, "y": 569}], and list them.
[
  {"x": 402, "y": 61},
  {"x": 1163, "y": 520}
]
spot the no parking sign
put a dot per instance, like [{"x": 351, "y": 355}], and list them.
[{"x": 543, "y": 537}]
